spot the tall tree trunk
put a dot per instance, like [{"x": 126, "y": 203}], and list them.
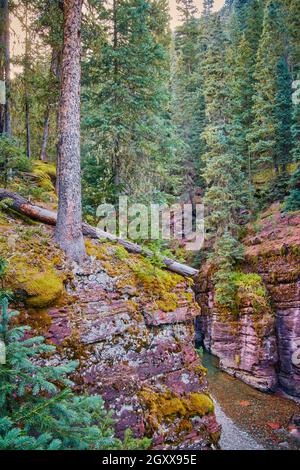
[
  {"x": 116, "y": 145},
  {"x": 43, "y": 155},
  {"x": 54, "y": 72},
  {"x": 5, "y": 121},
  {"x": 27, "y": 125},
  {"x": 68, "y": 234},
  {"x": 26, "y": 97}
]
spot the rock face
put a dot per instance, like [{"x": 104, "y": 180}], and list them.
[
  {"x": 131, "y": 326},
  {"x": 244, "y": 342},
  {"x": 262, "y": 350}
]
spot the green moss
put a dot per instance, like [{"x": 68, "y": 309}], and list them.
[
  {"x": 121, "y": 253},
  {"x": 48, "y": 169},
  {"x": 295, "y": 249},
  {"x": 31, "y": 271},
  {"x": 199, "y": 404},
  {"x": 168, "y": 302},
  {"x": 43, "y": 289},
  {"x": 166, "y": 407},
  {"x": 245, "y": 288},
  {"x": 156, "y": 284}
]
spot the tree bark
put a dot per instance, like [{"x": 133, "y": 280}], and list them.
[
  {"x": 21, "y": 205},
  {"x": 116, "y": 145},
  {"x": 26, "y": 97},
  {"x": 5, "y": 119},
  {"x": 68, "y": 234},
  {"x": 27, "y": 126},
  {"x": 43, "y": 155}
]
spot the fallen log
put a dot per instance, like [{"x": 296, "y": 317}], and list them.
[{"x": 23, "y": 206}]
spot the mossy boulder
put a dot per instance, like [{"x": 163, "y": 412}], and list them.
[{"x": 167, "y": 407}]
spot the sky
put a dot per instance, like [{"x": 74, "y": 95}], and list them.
[{"x": 217, "y": 5}]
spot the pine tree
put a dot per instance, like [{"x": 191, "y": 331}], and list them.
[
  {"x": 223, "y": 171},
  {"x": 38, "y": 410},
  {"x": 244, "y": 40},
  {"x": 293, "y": 25},
  {"x": 207, "y": 7},
  {"x": 5, "y": 118},
  {"x": 187, "y": 9},
  {"x": 188, "y": 99},
  {"x": 272, "y": 49},
  {"x": 293, "y": 199},
  {"x": 126, "y": 114},
  {"x": 49, "y": 25},
  {"x": 68, "y": 233},
  {"x": 283, "y": 112}
]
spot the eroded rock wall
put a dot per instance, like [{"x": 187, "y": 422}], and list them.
[
  {"x": 263, "y": 350},
  {"x": 245, "y": 342}
]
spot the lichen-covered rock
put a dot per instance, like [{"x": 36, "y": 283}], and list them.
[
  {"x": 131, "y": 326},
  {"x": 261, "y": 349}
]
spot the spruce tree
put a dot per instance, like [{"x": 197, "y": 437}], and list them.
[
  {"x": 293, "y": 199},
  {"x": 244, "y": 39},
  {"x": 293, "y": 25},
  {"x": 126, "y": 98},
  {"x": 267, "y": 98},
  {"x": 223, "y": 170},
  {"x": 188, "y": 105},
  {"x": 283, "y": 113}
]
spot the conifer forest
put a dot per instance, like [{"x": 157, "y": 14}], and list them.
[{"x": 149, "y": 228}]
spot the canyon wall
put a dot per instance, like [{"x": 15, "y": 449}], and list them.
[
  {"x": 128, "y": 323},
  {"x": 263, "y": 349}
]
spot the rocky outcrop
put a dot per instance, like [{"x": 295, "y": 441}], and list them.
[
  {"x": 130, "y": 325},
  {"x": 263, "y": 350},
  {"x": 244, "y": 341}
]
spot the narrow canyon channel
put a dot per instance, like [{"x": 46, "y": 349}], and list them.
[{"x": 250, "y": 419}]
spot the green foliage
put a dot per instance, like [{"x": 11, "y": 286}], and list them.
[
  {"x": 242, "y": 287},
  {"x": 293, "y": 200},
  {"x": 223, "y": 171},
  {"x": 12, "y": 159},
  {"x": 38, "y": 410},
  {"x": 188, "y": 100},
  {"x": 131, "y": 443},
  {"x": 269, "y": 135},
  {"x": 227, "y": 252},
  {"x": 3, "y": 266},
  {"x": 130, "y": 141}
]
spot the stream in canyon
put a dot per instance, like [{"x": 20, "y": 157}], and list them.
[{"x": 250, "y": 419}]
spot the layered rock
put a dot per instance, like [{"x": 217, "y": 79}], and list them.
[
  {"x": 244, "y": 341},
  {"x": 275, "y": 255},
  {"x": 261, "y": 349},
  {"x": 131, "y": 326}
]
